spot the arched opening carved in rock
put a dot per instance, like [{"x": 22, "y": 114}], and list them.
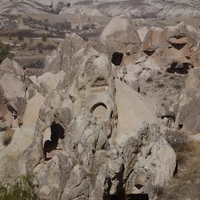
[
  {"x": 99, "y": 110},
  {"x": 51, "y": 138},
  {"x": 117, "y": 58}
]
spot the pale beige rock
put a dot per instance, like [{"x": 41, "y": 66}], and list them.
[
  {"x": 132, "y": 111},
  {"x": 120, "y": 35},
  {"x": 13, "y": 101},
  {"x": 188, "y": 114},
  {"x": 48, "y": 82},
  {"x": 9, "y": 155},
  {"x": 61, "y": 58},
  {"x": 33, "y": 106}
]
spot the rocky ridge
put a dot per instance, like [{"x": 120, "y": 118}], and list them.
[{"x": 143, "y": 9}]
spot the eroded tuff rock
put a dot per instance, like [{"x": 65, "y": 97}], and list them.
[
  {"x": 97, "y": 159},
  {"x": 188, "y": 114},
  {"x": 120, "y": 35},
  {"x": 60, "y": 58},
  {"x": 92, "y": 129},
  {"x": 13, "y": 99}
]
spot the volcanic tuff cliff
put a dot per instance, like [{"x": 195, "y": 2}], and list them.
[{"x": 100, "y": 112}]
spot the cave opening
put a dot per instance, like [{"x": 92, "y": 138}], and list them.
[
  {"x": 149, "y": 53},
  {"x": 130, "y": 197},
  {"x": 179, "y": 68},
  {"x": 178, "y": 46},
  {"x": 51, "y": 138},
  {"x": 117, "y": 58}
]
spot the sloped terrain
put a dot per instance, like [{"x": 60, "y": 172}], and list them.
[{"x": 137, "y": 9}]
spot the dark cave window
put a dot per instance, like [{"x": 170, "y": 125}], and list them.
[
  {"x": 182, "y": 69},
  {"x": 117, "y": 58},
  {"x": 57, "y": 132}
]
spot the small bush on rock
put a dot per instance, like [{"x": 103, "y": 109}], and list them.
[
  {"x": 5, "y": 52},
  {"x": 175, "y": 138},
  {"x": 158, "y": 190},
  {"x": 7, "y": 137}
]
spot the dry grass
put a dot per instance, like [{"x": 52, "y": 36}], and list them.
[
  {"x": 22, "y": 188},
  {"x": 7, "y": 137},
  {"x": 176, "y": 138},
  {"x": 186, "y": 182},
  {"x": 189, "y": 147}
]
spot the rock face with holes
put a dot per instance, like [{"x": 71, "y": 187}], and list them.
[
  {"x": 95, "y": 121},
  {"x": 170, "y": 47},
  {"x": 104, "y": 136}
]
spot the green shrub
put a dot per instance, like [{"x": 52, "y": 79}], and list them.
[
  {"x": 23, "y": 188},
  {"x": 36, "y": 64},
  {"x": 44, "y": 37},
  {"x": 63, "y": 25},
  {"x": 86, "y": 27},
  {"x": 20, "y": 38},
  {"x": 158, "y": 190},
  {"x": 5, "y": 52}
]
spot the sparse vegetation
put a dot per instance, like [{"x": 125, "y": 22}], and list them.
[
  {"x": 7, "y": 137},
  {"x": 23, "y": 188},
  {"x": 44, "y": 37},
  {"x": 188, "y": 176},
  {"x": 36, "y": 64},
  {"x": 88, "y": 26},
  {"x": 20, "y": 38},
  {"x": 175, "y": 138},
  {"x": 5, "y": 52},
  {"x": 63, "y": 25},
  {"x": 158, "y": 190}
]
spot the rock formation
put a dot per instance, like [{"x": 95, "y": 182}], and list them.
[{"x": 91, "y": 128}]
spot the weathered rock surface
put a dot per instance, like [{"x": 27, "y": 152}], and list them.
[
  {"x": 132, "y": 111},
  {"x": 188, "y": 114},
  {"x": 13, "y": 99},
  {"x": 91, "y": 127},
  {"x": 60, "y": 58},
  {"x": 121, "y": 35}
]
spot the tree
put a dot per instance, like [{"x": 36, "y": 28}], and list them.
[
  {"x": 4, "y": 51},
  {"x": 44, "y": 37},
  {"x": 20, "y": 38}
]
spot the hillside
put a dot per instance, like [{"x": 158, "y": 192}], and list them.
[{"x": 132, "y": 8}]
